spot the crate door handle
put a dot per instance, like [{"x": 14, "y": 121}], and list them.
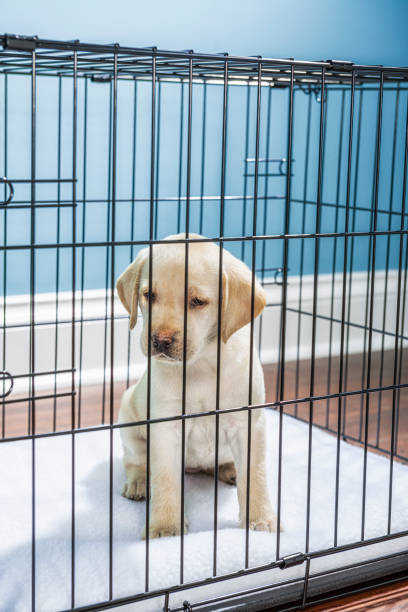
[
  {"x": 11, "y": 194},
  {"x": 4, "y": 376}
]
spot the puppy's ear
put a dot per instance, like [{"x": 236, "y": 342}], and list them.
[
  {"x": 127, "y": 285},
  {"x": 237, "y": 297}
]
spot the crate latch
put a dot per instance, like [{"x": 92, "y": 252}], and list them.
[{"x": 292, "y": 560}]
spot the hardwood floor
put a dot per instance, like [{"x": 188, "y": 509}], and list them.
[
  {"x": 56, "y": 414},
  {"x": 393, "y": 598}
]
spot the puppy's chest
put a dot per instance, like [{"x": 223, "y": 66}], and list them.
[
  {"x": 201, "y": 431},
  {"x": 200, "y": 447},
  {"x": 201, "y": 391}
]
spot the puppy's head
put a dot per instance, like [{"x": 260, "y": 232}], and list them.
[{"x": 165, "y": 297}]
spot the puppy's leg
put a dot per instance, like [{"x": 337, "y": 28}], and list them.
[
  {"x": 261, "y": 516},
  {"x": 134, "y": 443},
  {"x": 165, "y": 484},
  {"x": 135, "y": 467}
]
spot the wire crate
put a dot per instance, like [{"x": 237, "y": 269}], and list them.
[{"x": 299, "y": 169}]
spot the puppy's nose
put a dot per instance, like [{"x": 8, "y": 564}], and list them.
[{"x": 162, "y": 343}]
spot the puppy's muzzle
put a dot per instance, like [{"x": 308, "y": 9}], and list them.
[{"x": 162, "y": 344}]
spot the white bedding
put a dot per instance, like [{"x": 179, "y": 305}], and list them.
[{"x": 53, "y": 518}]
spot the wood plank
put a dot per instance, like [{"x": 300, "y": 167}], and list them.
[
  {"x": 392, "y": 598},
  {"x": 94, "y": 402}
]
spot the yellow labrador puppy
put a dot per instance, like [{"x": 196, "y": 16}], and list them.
[{"x": 167, "y": 327}]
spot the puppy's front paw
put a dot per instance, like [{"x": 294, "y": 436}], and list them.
[
  {"x": 227, "y": 473},
  {"x": 135, "y": 489},
  {"x": 264, "y": 523},
  {"x": 164, "y": 530}
]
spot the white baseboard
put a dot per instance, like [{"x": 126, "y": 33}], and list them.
[{"x": 96, "y": 304}]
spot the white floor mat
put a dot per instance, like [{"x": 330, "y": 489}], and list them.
[{"x": 53, "y": 517}]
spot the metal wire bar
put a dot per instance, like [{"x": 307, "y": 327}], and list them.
[
  {"x": 57, "y": 263},
  {"x": 387, "y": 259},
  {"x": 251, "y": 337},
  {"x": 185, "y": 322},
  {"x": 32, "y": 421},
  {"x": 336, "y": 225},
  {"x": 4, "y": 343},
  {"x": 314, "y": 319},
  {"x": 108, "y": 246},
  {"x": 149, "y": 316},
  {"x": 219, "y": 239},
  {"x": 220, "y": 313},
  {"x": 84, "y": 207},
  {"x": 283, "y": 312},
  {"x": 397, "y": 324},
  {"x": 112, "y": 313},
  {"x": 25, "y": 204},
  {"x": 156, "y": 191},
  {"x": 302, "y": 246},
  {"x": 73, "y": 339},
  {"x": 343, "y": 311},
  {"x": 203, "y": 159},
  {"x": 180, "y": 175},
  {"x": 245, "y": 174},
  {"x": 357, "y": 163},
  {"x": 263, "y": 268},
  {"x": 367, "y": 305},
  {"x": 132, "y": 217},
  {"x": 401, "y": 347},
  {"x": 370, "y": 331}
]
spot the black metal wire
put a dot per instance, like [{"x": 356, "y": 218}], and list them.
[
  {"x": 83, "y": 250},
  {"x": 336, "y": 224},
  {"x": 387, "y": 261},
  {"x": 372, "y": 288},
  {"x": 73, "y": 322},
  {"x": 314, "y": 318},
  {"x": 57, "y": 263},
  {"x": 185, "y": 321},
  {"x": 203, "y": 159},
  {"x": 109, "y": 247},
  {"x": 220, "y": 313},
  {"x": 4, "y": 344},
  {"x": 107, "y": 66},
  {"x": 283, "y": 312},
  {"x": 112, "y": 312},
  {"x": 149, "y": 316},
  {"x": 343, "y": 309},
  {"x": 302, "y": 247},
  {"x": 251, "y": 337},
  {"x": 397, "y": 324}
]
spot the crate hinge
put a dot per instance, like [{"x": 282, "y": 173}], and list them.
[
  {"x": 341, "y": 64},
  {"x": 20, "y": 43},
  {"x": 101, "y": 78}
]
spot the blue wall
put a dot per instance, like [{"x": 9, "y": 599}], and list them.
[{"x": 362, "y": 31}]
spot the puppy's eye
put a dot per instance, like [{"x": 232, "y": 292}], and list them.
[
  {"x": 150, "y": 296},
  {"x": 195, "y": 302}
]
